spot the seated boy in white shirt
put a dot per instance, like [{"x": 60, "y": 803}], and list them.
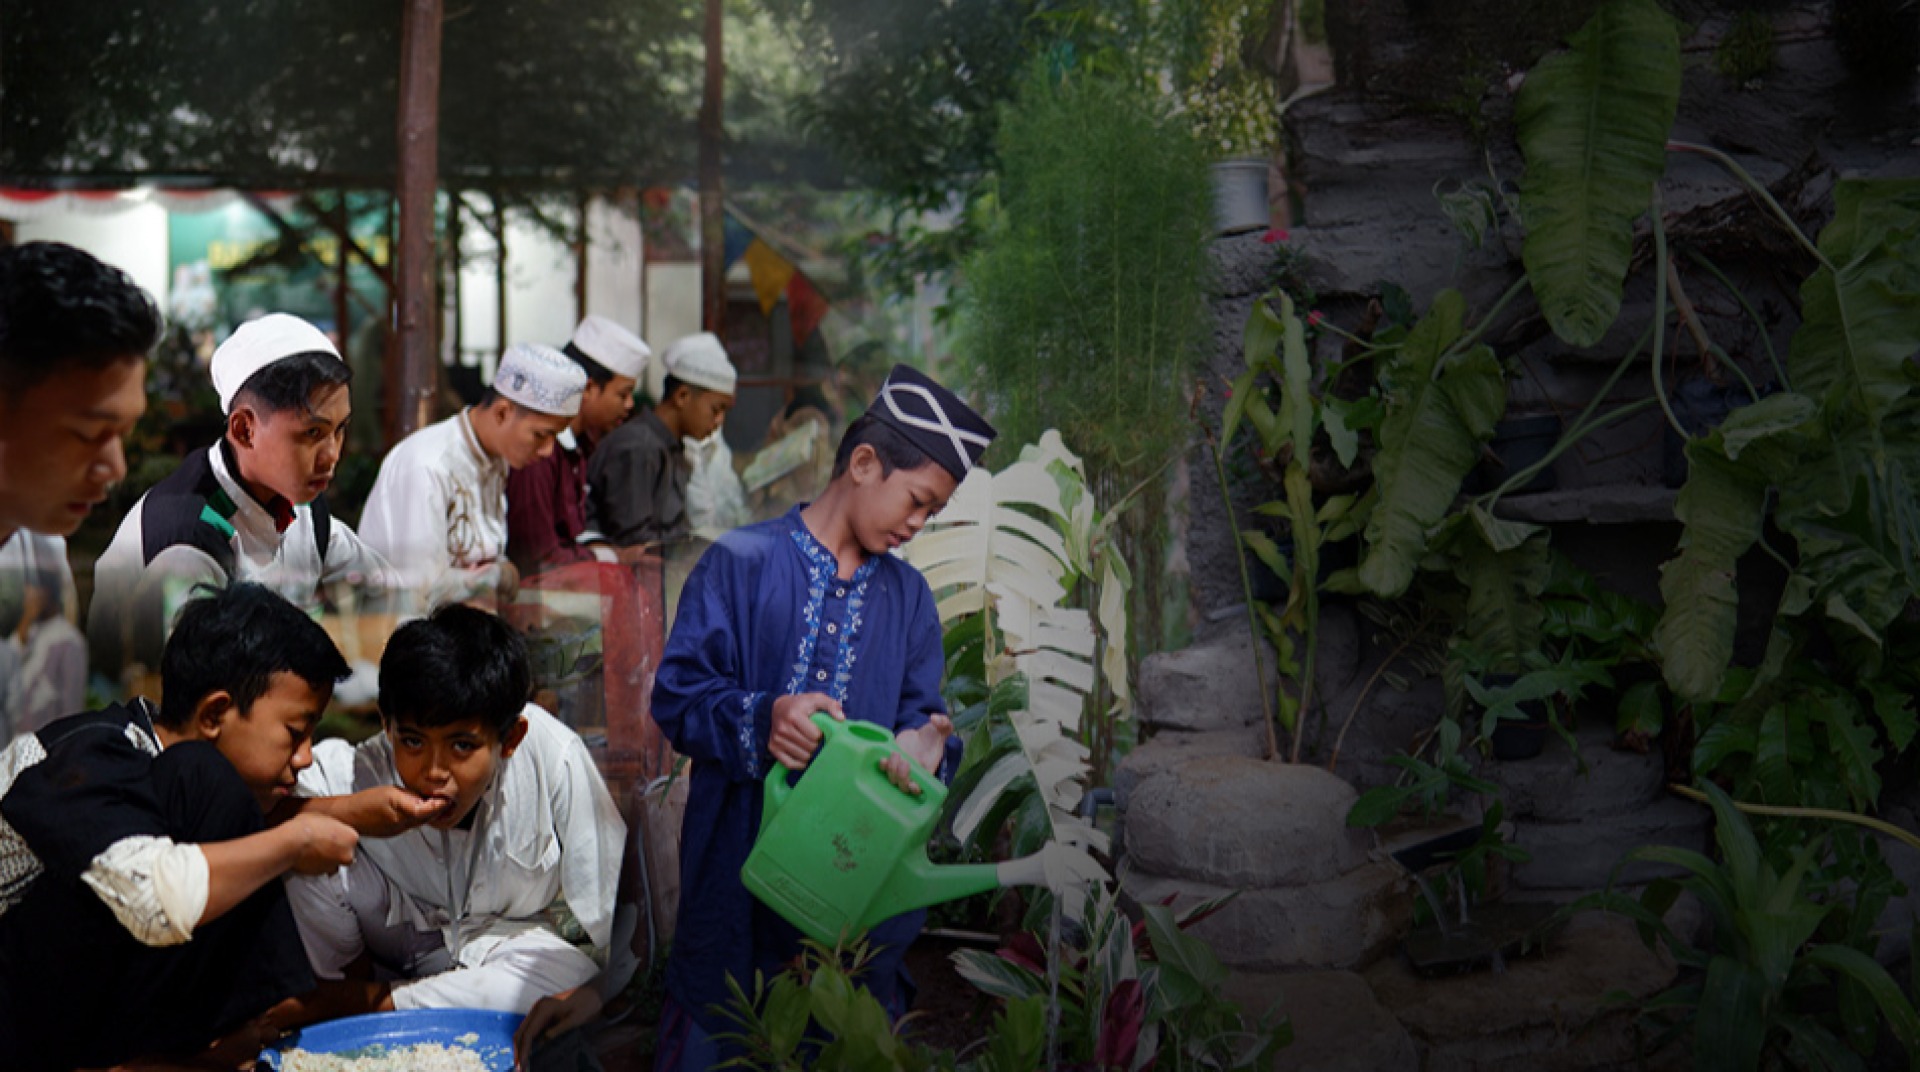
[{"x": 457, "y": 913}]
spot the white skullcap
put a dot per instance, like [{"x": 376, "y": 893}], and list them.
[
  {"x": 259, "y": 343},
  {"x": 701, "y": 361},
  {"x": 610, "y": 346},
  {"x": 540, "y": 378}
]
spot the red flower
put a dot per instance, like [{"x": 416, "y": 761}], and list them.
[
  {"x": 1316, "y": 317},
  {"x": 1272, "y": 235}
]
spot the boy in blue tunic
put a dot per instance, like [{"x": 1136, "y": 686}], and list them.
[{"x": 808, "y": 612}]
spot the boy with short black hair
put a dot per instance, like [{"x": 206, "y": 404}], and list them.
[
  {"x": 136, "y": 864},
  {"x": 251, "y": 506},
  {"x": 637, "y": 481},
  {"x": 74, "y": 339},
  {"x": 455, "y": 915},
  {"x": 547, "y": 501},
  {"x": 808, "y": 612}
]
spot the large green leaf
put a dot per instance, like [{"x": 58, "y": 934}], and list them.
[
  {"x": 1593, "y": 124},
  {"x": 1440, "y": 408},
  {"x": 1894, "y": 707},
  {"x": 1721, "y": 506},
  {"x": 1853, "y": 750},
  {"x": 1863, "y": 969},
  {"x": 1296, "y": 384},
  {"x": 1731, "y": 1027},
  {"x": 1853, "y": 505},
  {"x": 1737, "y": 845},
  {"x": 1857, "y": 327}
]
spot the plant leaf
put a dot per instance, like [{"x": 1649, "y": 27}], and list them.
[
  {"x": 998, "y": 976},
  {"x": 1641, "y": 710},
  {"x": 982, "y": 797},
  {"x": 1721, "y": 507},
  {"x": 1296, "y": 383},
  {"x": 1439, "y": 411},
  {"x": 1730, "y": 1028},
  {"x": 1866, "y": 971},
  {"x": 1378, "y": 805},
  {"x": 1857, "y": 328},
  {"x": 1593, "y": 123},
  {"x": 1894, "y": 707}
]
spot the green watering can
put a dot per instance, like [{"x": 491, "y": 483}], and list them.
[{"x": 845, "y": 849}]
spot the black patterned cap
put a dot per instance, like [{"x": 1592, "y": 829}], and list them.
[{"x": 933, "y": 419}]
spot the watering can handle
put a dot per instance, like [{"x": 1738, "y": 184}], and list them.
[{"x": 777, "y": 788}]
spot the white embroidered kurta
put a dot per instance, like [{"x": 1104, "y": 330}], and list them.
[
  {"x": 438, "y": 513},
  {"x": 128, "y": 585},
  {"x": 546, "y": 828}
]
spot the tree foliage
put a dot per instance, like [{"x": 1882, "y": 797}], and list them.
[
  {"x": 1085, "y": 308},
  {"x": 533, "y": 91}
]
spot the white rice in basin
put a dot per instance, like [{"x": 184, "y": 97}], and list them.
[{"x": 419, "y": 1057}]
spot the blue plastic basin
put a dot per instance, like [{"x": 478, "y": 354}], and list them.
[{"x": 492, "y": 1034}]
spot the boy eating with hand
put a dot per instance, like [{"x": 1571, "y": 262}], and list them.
[
  {"x": 455, "y": 914},
  {"x": 142, "y": 847}
]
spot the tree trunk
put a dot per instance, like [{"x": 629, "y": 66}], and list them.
[
  {"x": 419, "y": 162},
  {"x": 713, "y": 233}
]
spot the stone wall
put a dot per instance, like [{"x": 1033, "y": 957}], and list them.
[
  {"x": 1424, "y": 108},
  {"x": 1367, "y": 157}
]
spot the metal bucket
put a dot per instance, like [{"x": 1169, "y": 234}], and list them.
[{"x": 1240, "y": 196}]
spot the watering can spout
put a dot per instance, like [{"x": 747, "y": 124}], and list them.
[{"x": 919, "y": 882}]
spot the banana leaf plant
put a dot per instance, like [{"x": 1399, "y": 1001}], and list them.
[{"x": 1028, "y": 671}]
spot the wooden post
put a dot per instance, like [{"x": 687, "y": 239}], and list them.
[
  {"x": 499, "y": 277},
  {"x": 416, "y": 267},
  {"x": 713, "y": 231},
  {"x": 646, "y": 258},
  {"x": 453, "y": 307},
  {"x": 581, "y": 244},
  {"x": 342, "y": 285}
]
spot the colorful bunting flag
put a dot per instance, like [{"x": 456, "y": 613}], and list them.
[
  {"x": 806, "y": 307},
  {"x": 771, "y": 272},
  {"x": 736, "y": 238}
]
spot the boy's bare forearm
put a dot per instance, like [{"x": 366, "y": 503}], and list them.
[
  {"x": 383, "y": 811},
  {"x": 308, "y": 843}
]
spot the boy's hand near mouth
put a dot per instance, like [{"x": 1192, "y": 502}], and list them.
[{"x": 383, "y": 811}]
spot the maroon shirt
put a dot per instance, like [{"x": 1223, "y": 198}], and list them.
[{"x": 547, "y": 507}]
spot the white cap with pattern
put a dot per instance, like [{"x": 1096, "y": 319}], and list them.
[{"x": 540, "y": 378}]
